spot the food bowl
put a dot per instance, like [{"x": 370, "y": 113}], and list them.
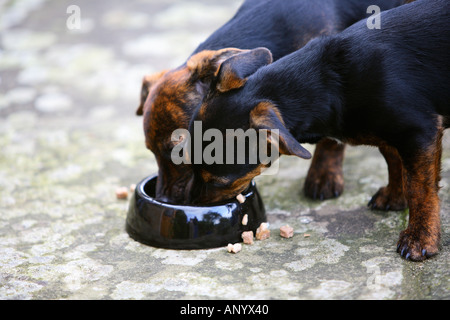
[{"x": 170, "y": 226}]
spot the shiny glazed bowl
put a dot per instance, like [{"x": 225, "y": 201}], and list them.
[{"x": 170, "y": 226}]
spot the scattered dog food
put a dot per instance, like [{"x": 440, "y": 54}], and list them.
[
  {"x": 306, "y": 235},
  {"x": 286, "y": 231},
  {"x": 122, "y": 193},
  {"x": 234, "y": 248},
  {"x": 132, "y": 188},
  {"x": 240, "y": 198},
  {"x": 263, "y": 231},
  {"x": 245, "y": 220},
  {"x": 247, "y": 237}
]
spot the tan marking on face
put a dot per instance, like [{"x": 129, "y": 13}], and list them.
[{"x": 231, "y": 191}]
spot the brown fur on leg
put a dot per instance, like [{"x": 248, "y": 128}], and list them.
[
  {"x": 421, "y": 238},
  {"x": 325, "y": 179},
  {"x": 391, "y": 197}
]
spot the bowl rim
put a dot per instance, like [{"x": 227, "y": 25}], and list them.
[
  {"x": 142, "y": 219},
  {"x": 141, "y": 192}
]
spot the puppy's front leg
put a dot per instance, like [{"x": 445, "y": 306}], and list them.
[
  {"x": 325, "y": 179},
  {"x": 421, "y": 238}
]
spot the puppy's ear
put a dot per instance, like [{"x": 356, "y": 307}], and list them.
[
  {"x": 205, "y": 64},
  {"x": 267, "y": 116},
  {"x": 233, "y": 72},
  {"x": 147, "y": 83}
]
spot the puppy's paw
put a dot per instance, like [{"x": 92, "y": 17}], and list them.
[
  {"x": 417, "y": 246},
  {"x": 324, "y": 184},
  {"x": 385, "y": 199}
]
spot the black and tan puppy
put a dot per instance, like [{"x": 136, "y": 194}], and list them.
[
  {"x": 169, "y": 98},
  {"x": 388, "y": 88}
]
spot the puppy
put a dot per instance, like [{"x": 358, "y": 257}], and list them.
[
  {"x": 169, "y": 98},
  {"x": 388, "y": 88}
]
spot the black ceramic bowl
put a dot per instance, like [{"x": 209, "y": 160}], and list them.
[{"x": 164, "y": 225}]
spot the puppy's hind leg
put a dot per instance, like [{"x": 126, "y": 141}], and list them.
[{"x": 391, "y": 197}]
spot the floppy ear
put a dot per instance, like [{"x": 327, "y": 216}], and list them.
[
  {"x": 205, "y": 64},
  {"x": 147, "y": 83},
  {"x": 233, "y": 72},
  {"x": 267, "y": 116}
]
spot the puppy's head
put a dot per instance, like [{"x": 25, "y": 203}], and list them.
[
  {"x": 168, "y": 100},
  {"x": 230, "y": 117}
]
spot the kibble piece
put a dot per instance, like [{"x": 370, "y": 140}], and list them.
[
  {"x": 237, "y": 247},
  {"x": 132, "y": 187},
  {"x": 306, "y": 235},
  {"x": 234, "y": 248},
  {"x": 286, "y": 231},
  {"x": 247, "y": 237},
  {"x": 263, "y": 231},
  {"x": 245, "y": 219},
  {"x": 122, "y": 193},
  {"x": 240, "y": 198}
]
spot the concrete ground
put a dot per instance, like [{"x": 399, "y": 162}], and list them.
[{"x": 69, "y": 138}]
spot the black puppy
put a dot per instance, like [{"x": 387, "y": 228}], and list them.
[
  {"x": 388, "y": 88},
  {"x": 169, "y": 98}
]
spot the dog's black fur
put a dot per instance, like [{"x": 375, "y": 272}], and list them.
[
  {"x": 388, "y": 88},
  {"x": 169, "y": 98},
  {"x": 284, "y": 26}
]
